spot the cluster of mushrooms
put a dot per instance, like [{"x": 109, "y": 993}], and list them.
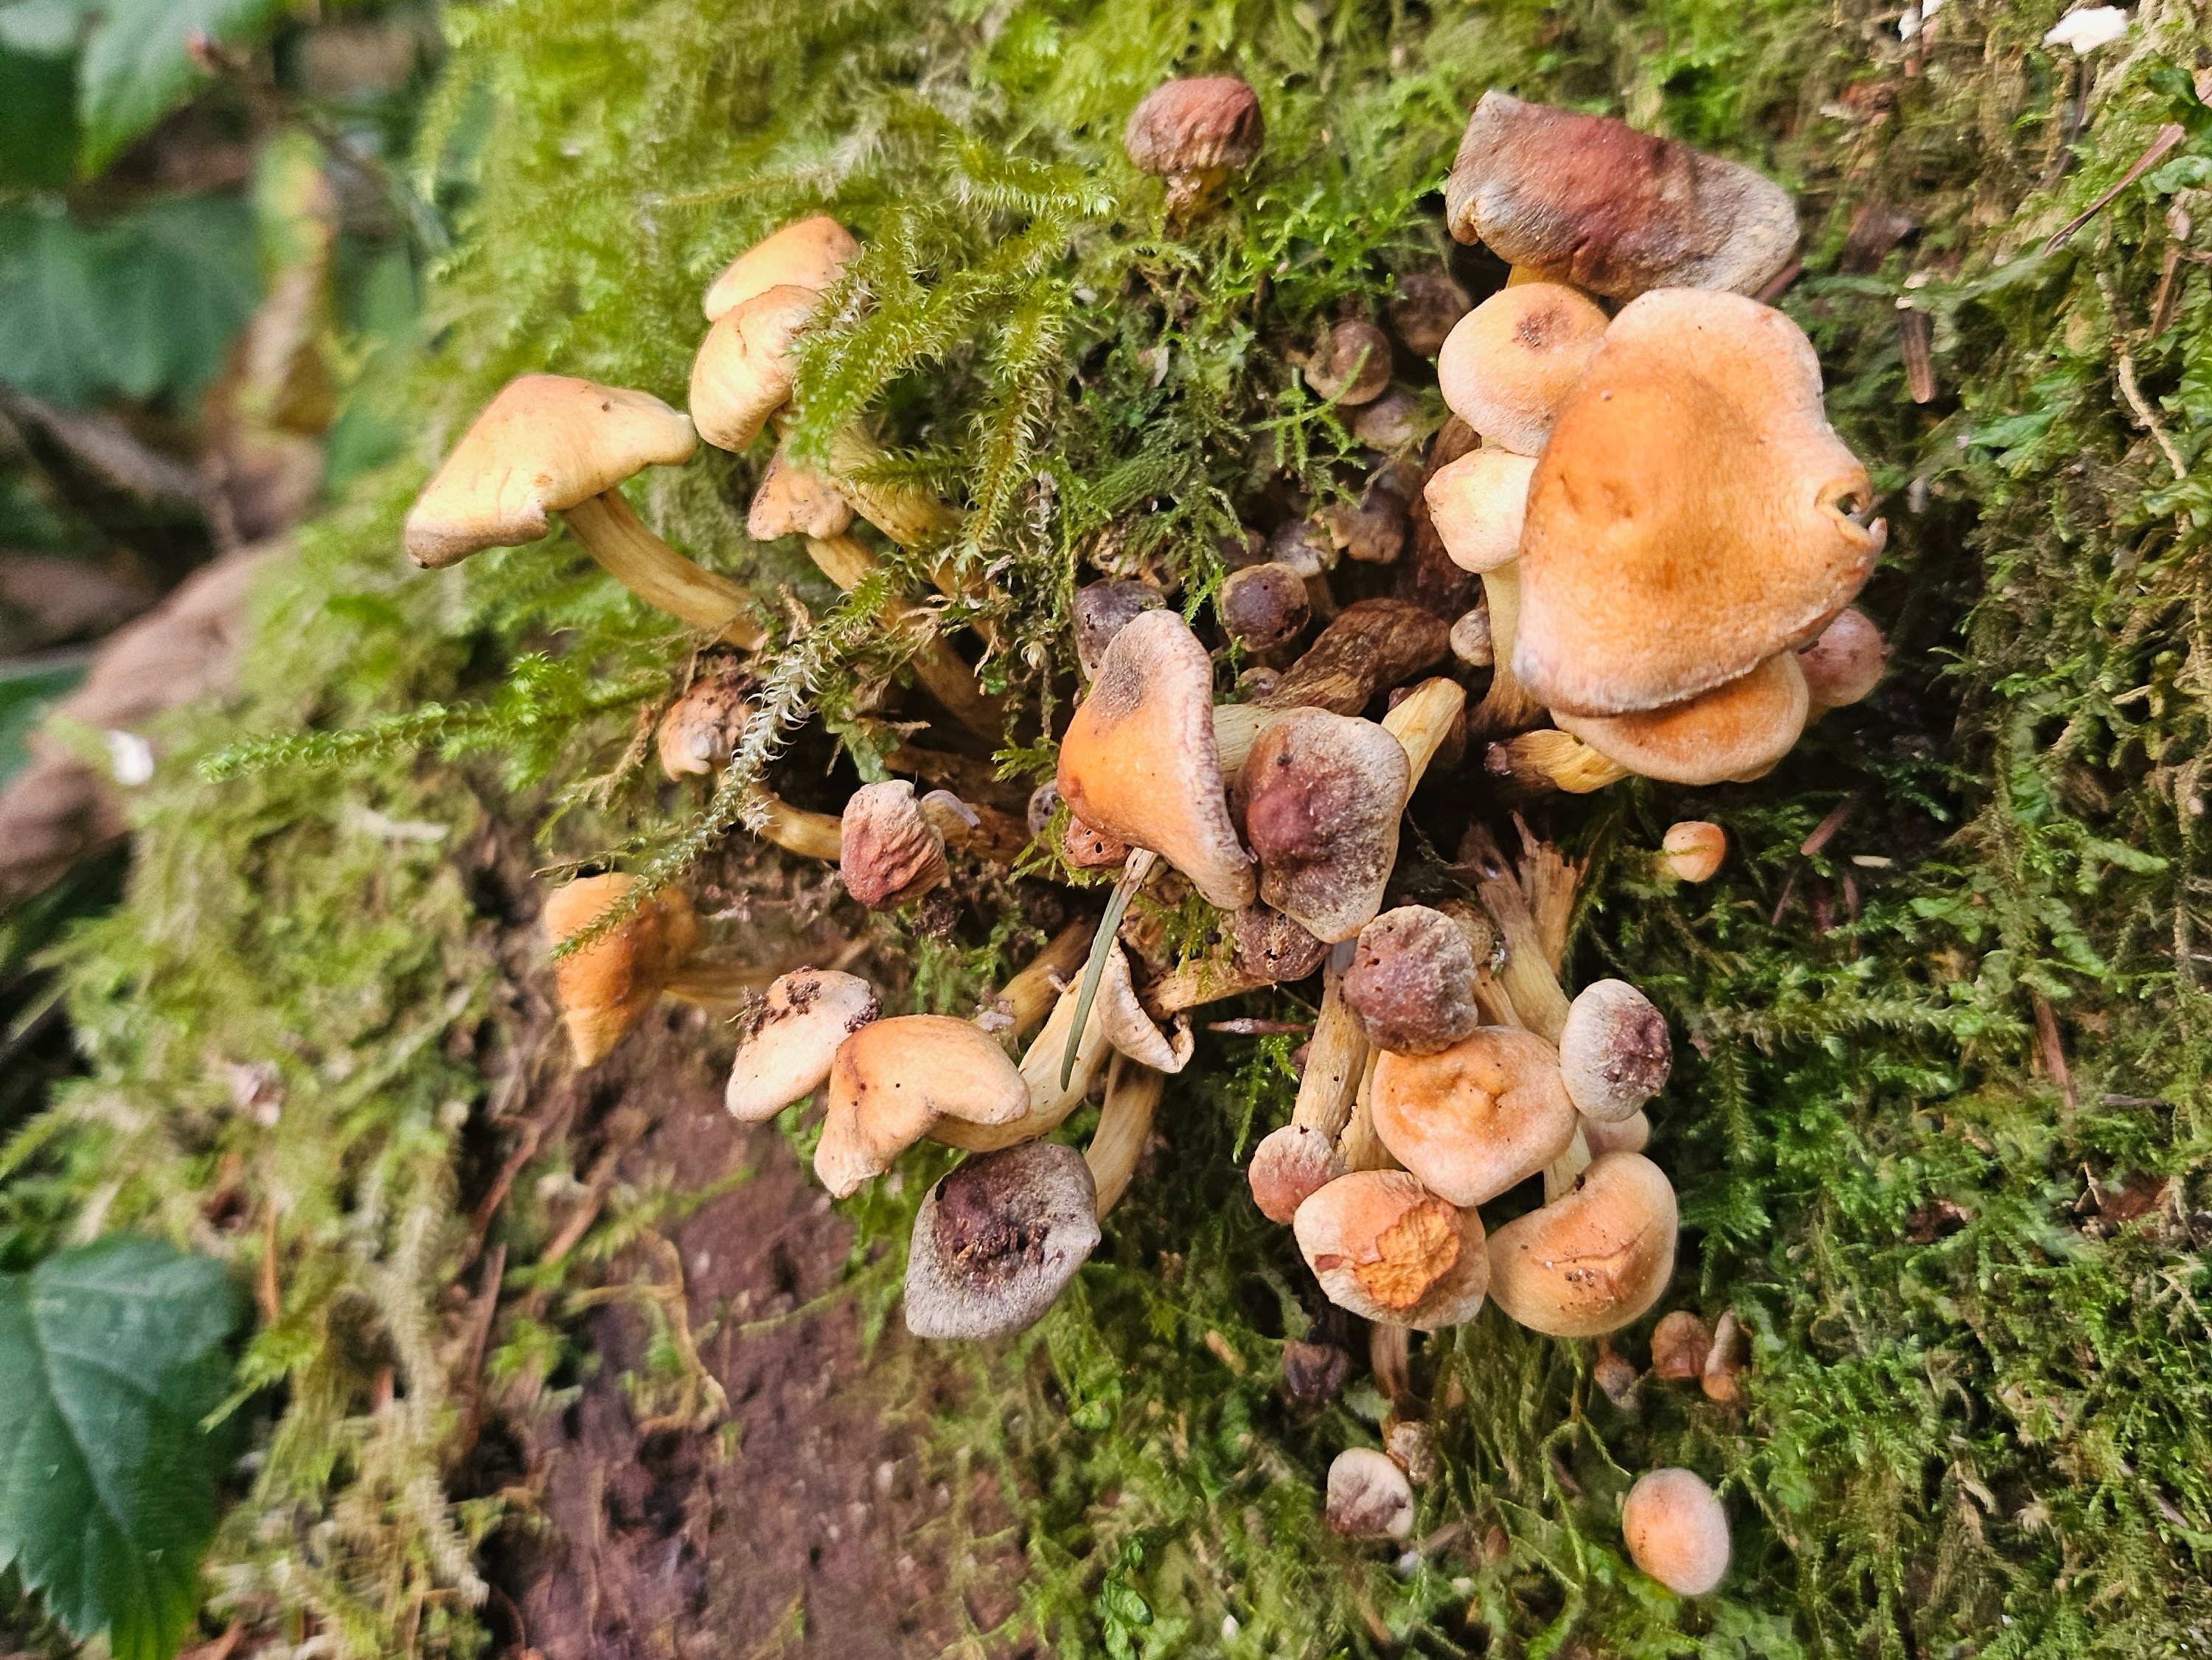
[{"x": 1669, "y": 536}]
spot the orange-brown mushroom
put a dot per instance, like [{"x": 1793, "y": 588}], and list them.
[
  {"x": 746, "y": 366},
  {"x": 809, "y": 253},
  {"x": 1594, "y": 1259},
  {"x": 1474, "y": 1120},
  {"x": 1193, "y": 133},
  {"x": 1513, "y": 362},
  {"x": 605, "y": 989},
  {"x": 1676, "y": 1531},
  {"x": 1390, "y": 1251},
  {"x": 1732, "y": 732},
  {"x": 1845, "y": 664},
  {"x": 892, "y": 1079}
]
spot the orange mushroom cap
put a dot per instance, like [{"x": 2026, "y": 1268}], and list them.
[
  {"x": 809, "y": 253},
  {"x": 1390, "y": 1251},
  {"x": 1473, "y": 1120},
  {"x": 1509, "y": 365},
  {"x": 605, "y": 988},
  {"x": 1732, "y": 732}
]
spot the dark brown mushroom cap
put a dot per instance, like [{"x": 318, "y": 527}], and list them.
[
  {"x": 1591, "y": 201},
  {"x": 1371, "y": 646},
  {"x": 1263, "y": 606},
  {"x": 1102, "y": 609},
  {"x": 1197, "y": 125},
  {"x": 1411, "y": 984},
  {"x": 1320, "y": 799},
  {"x": 1353, "y": 364},
  {"x": 1139, "y": 759},
  {"x": 996, "y": 1241},
  {"x": 1423, "y": 308}
]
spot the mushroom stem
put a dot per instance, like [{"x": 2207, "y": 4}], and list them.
[
  {"x": 1359, "y": 1147},
  {"x": 1507, "y": 706},
  {"x": 1548, "y": 759},
  {"x": 1561, "y": 1174},
  {"x": 1135, "y": 871},
  {"x": 1530, "y": 975},
  {"x": 913, "y": 518},
  {"x": 1030, "y": 996},
  {"x": 848, "y": 563},
  {"x": 1390, "y": 1354},
  {"x": 719, "y": 985},
  {"x": 612, "y": 533},
  {"x": 1125, "y": 1124},
  {"x": 1238, "y": 727},
  {"x": 1051, "y": 1099},
  {"x": 1209, "y": 980},
  {"x": 809, "y": 835},
  {"x": 1421, "y": 722}
]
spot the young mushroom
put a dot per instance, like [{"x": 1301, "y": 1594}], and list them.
[
  {"x": 1193, "y": 133},
  {"x": 1388, "y": 1249},
  {"x": 605, "y": 988},
  {"x": 995, "y": 1242},
  {"x": 1263, "y": 606},
  {"x": 1368, "y": 1496},
  {"x": 551, "y": 443},
  {"x": 1477, "y": 505},
  {"x": 1592, "y": 202},
  {"x": 1139, "y": 761},
  {"x": 890, "y": 845},
  {"x": 1594, "y": 1260},
  {"x": 1424, "y": 308},
  {"x": 1512, "y": 362},
  {"x": 1752, "y": 525},
  {"x": 1411, "y": 985},
  {"x": 1294, "y": 1162},
  {"x": 808, "y": 1015},
  {"x": 1353, "y": 364},
  {"x": 1477, "y": 1118},
  {"x": 892, "y": 1081},
  {"x": 1676, "y": 1531},
  {"x": 1102, "y": 609},
  {"x": 696, "y": 736},
  {"x": 1844, "y": 664},
  {"x": 1614, "y": 1051},
  {"x": 1692, "y": 849}
]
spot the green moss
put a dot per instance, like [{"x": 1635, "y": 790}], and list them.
[{"x": 1977, "y": 1417}]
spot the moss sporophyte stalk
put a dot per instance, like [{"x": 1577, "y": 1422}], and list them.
[{"x": 1923, "y": 941}]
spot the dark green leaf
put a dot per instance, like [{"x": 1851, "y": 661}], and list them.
[
  {"x": 38, "y": 121},
  {"x": 138, "y": 66},
  {"x": 111, "y": 1356},
  {"x": 24, "y": 699}
]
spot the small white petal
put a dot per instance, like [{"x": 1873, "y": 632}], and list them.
[{"x": 130, "y": 757}]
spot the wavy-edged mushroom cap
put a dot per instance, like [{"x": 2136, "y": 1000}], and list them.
[
  {"x": 1207, "y": 124},
  {"x": 544, "y": 444},
  {"x": 893, "y": 1078},
  {"x": 1320, "y": 798},
  {"x": 743, "y": 371},
  {"x": 1266, "y": 945},
  {"x": 808, "y": 1014},
  {"x": 1102, "y": 609},
  {"x": 1676, "y": 1531},
  {"x": 1411, "y": 985},
  {"x": 1733, "y": 732},
  {"x": 1510, "y": 365},
  {"x": 1680, "y": 1343},
  {"x": 1477, "y": 505},
  {"x": 1692, "y": 849},
  {"x": 996, "y": 1240},
  {"x": 1263, "y": 606},
  {"x": 888, "y": 850},
  {"x": 1139, "y": 759},
  {"x": 1594, "y": 1259},
  {"x": 1390, "y": 1251},
  {"x": 1693, "y": 514},
  {"x": 1369, "y": 1497},
  {"x": 1846, "y": 662},
  {"x": 605, "y": 988},
  {"x": 1614, "y": 1051},
  {"x": 1473, "y": 1120},
  {"x": 794, "y": 501},
  {"x": 1612, "y": 209},
  {"x": 1131, "y": 1030},
  {"x": 809, "y": 253},
  {"x": 696, "y": 736}
]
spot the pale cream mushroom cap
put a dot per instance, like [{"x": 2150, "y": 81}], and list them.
[
  {"x": 809, "y": 253},
  {"x": 1368, "y": 1496},
  {"x": 810, "y": 1013},
  {"x": 743, "y": 371},
  {"x": 894, "y": 1078},
  {"x": 1509, "y": 366},
  {"x": 1614, "y": 1051},
  {"x": 544, "y": 444},
  {"x": 1676, "y": 1531},
  {"x": 1477, "y": 505}
]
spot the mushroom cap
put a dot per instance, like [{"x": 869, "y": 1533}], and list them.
[
  {"x": 1510, "y": 364},
  {"x": 1411, "y": 985},
  {"x": 744, "y": 369},
  {"x": 1390, "y": 1251},
  {"x": 794, "y": 501},
  {"x": 696, "y": 736},
  {"x": 995, "y": 1241},
  {"x": 1845, "y": 662},
  {"x": 893, "y": 1078},
  {"x": 1679, "y": 1344},
  {"x": 1263, "y": 606},
  {"x": 808, "y": 253},
  {"x": 1087, "y": 848},
  {"x": 1594, "y": 1259},
  {"x": 1423, "y": 308},
  {"x": 1691, "y": 515},
  {"x": 1730, "y": 733},
  {"x": 605, "y": 988},
  {"x": 810, "y": 1013},
  {"x": 1473, "y": 1120},
  {"x": 1477, "y": 504},
  {"x": 1610, "y": 209},
  {"x": 544, "y": 443},
  {"x": 1130, "y": 1030},
  {"x": 1320, "y": 798},
  {"x": 1614, "y": 1051},
  {"x": 1139, "y": 759},
  {"x": 888, "y": 852},
  {"x": 1353, "y": 364},
  {"x": 1266, "y": 945},
  {"x": 1395, "y": 420},
  {"x": 1676, "y": 1531},
  {"x": 1693, "y": 850},
  {"x": 1102, "y": 609},
  {"x": 1372, "y": 530},
  {"x": 1629, "y": 1134},
  {"x": 1472, "y": 645},
  {"x": 1369, "y": 1497},
  {"x": 1292, "y": 1163},
  {"x": 1197, "y": 125}
]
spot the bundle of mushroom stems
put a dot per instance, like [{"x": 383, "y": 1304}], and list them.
[{"x": 1669, "y": 536}]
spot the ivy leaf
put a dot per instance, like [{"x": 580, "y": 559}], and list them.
[
  {"x": 111, "y": 1356},
  {"x": 138, "y": 64}
]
